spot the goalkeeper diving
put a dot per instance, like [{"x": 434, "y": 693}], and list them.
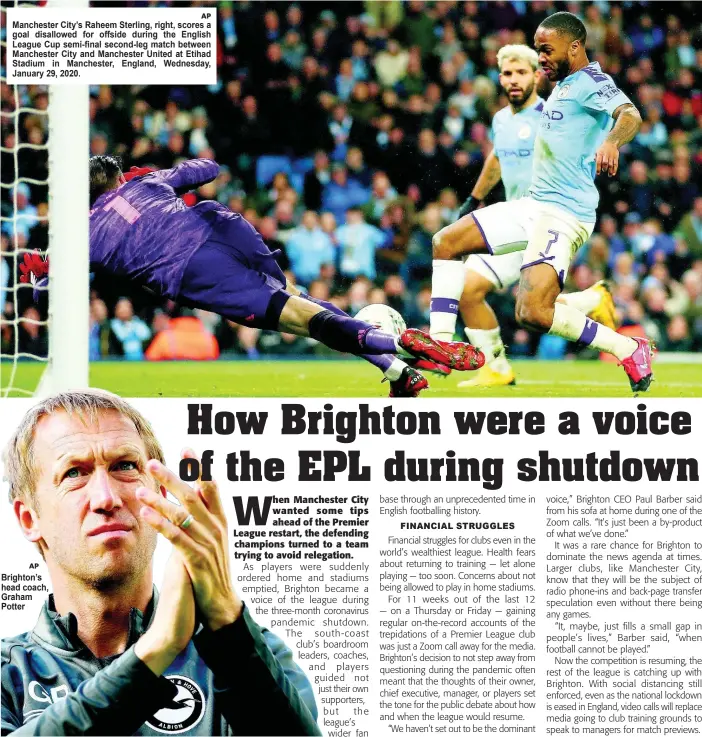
[{"x": 211, "y": 258}]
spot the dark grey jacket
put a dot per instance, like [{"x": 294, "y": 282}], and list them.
[{"x": 240, "y": 680}]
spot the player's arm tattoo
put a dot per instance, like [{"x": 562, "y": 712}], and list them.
[
  {"x": 527, "y": 282},
  {"x": 489, "y": 177},
  {"x": 627, "y": 126}
]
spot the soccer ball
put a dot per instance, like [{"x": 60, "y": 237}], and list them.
[{"x": 384, "y": 317}]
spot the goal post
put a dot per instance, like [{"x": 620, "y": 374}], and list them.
[
  {"x": 66, "y": 145},
  {"x": 69, "y": 210},
  {"x": 69, "y": 256}
]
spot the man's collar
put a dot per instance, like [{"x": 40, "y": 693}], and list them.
[{"x": 62, "y": 631}]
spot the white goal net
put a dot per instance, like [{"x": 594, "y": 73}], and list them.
[{"x": 44, "y": 195}]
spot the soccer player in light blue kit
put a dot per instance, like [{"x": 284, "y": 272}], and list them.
[
  {"x": 513, "y": 135},
  {"x": 575, "y": 142}
]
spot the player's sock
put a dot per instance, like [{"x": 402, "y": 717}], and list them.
[
  {"x": 584, "y": 301},
  {"x": 490, "y": 343},
  {"x": 447, "y": 282},
  {"x": 390, "y": 366},
  {"x": 573, "y": 325},
  {"x": 344, "y": 334},
  {"x": 394, "y": 370}
]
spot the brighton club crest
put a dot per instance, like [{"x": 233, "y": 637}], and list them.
[{"x": 184, "y": 712}]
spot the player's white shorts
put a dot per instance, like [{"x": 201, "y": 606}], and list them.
[
  {"x": 543, "y": 233},
  {"x": 502, "y": 271}
]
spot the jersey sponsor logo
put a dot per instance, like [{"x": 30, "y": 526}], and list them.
[
  {"x": 563, "y": 91},
  {"x": 522, "y": 153},
  {"x": 524, "y": 132},
  {"x": 184, "y": 712},
  {"x": 553, "y": 114}
]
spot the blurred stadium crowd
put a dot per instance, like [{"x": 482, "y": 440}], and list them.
[{"x": 348, "y": 133}]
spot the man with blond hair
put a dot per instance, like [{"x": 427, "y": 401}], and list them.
[
  {"x": 108, "y": 654},
  {"x": 513, "y": 135}
]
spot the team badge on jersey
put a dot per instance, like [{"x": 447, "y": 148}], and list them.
[
  {"x": 563, "y": 91},
  {"x": 524, "y": 132},
  {"x": 184, "y": 712}
]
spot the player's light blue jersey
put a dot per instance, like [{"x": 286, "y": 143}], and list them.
[
  {"x": 574, "y": 122},
  {"x": 513, "y": 136}
]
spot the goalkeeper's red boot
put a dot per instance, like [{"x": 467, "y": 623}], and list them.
[
  {"x": 409, "y": 384},
  {"x": 458, "y": 356},
  {"x": 638, "y": 366}
]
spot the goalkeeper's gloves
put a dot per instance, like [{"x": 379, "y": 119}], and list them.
[
  {"x": 136, "y": 171},
  {"x": 472, "y": 203},
  {"x": 189, "y": 198},
  {"x": 34, "y": 270}
]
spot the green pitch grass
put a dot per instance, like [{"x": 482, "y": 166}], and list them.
[{"x": 355, "y": 378}]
